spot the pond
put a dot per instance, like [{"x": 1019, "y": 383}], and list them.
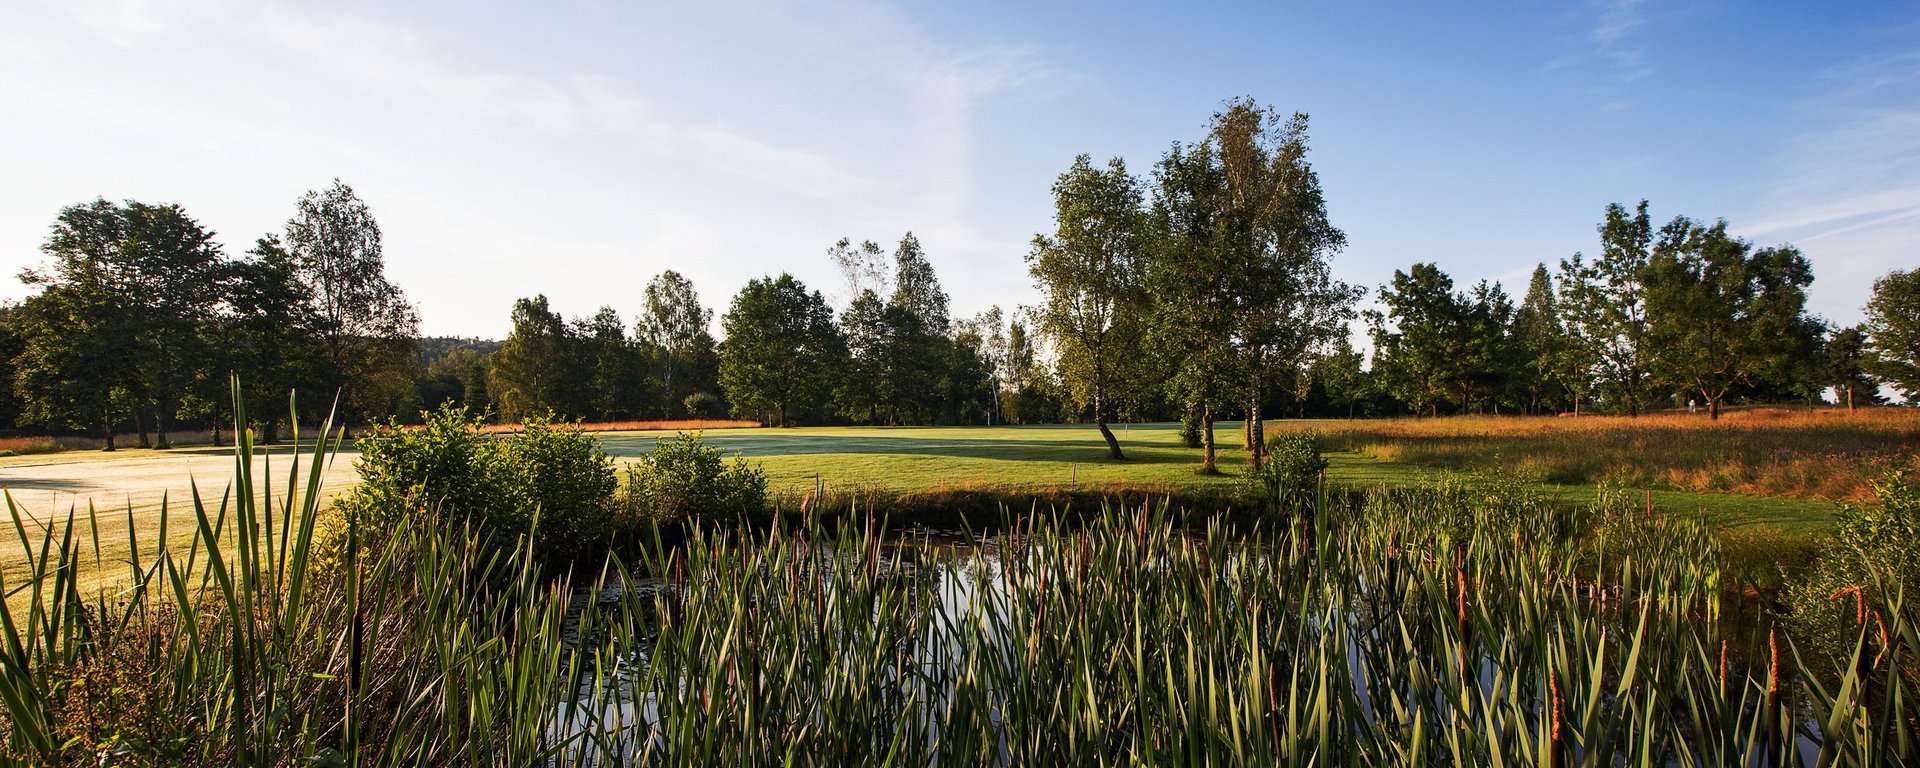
[{"x": 1494, "y": 631}]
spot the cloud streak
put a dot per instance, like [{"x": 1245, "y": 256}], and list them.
[{"x": 1846, "y": 189}]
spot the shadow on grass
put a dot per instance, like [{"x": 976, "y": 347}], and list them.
[{"x": 1091, "y": 450}]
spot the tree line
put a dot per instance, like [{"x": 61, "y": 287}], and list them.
[
  {"x": 141, "y": 314},
  {"x": 1683, "y": 315},
  {"x": 1201, "y": 292},
  {"x": 1212, "y": 277}
]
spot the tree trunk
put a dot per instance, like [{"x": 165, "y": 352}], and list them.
[
  {"x": 106, "y": 429},
  {"x": 140, "y": 426},
  {"x": 1100, "y": 420},
  {"x": 1713, "y": 409},
  {"x": 1256, "y": 430},
  {"x": 1849, "y": 397},
  {"x": 666, "y": 386},
  {"x": 1206, "y": 441},
  {"x": 1246, "y": 432},
  {"x": 160, "y": 439},
  {"x": 216, "y": 431}
]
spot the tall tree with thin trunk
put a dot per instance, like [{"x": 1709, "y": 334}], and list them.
[
  {"x": 271, "y": 336},
  {"x": 368, "y": 327},
  {"x": 918, "y": 349},
  {"x": 1192, "y": 287},
  {"x": 1604, "y": 305},
  {"x": 175, "y": 279},
  {"x": 537, "y": 369},
  {"x": 987, "y": 332},
  {"x": 1278, "y": 240},
  {"x": 1843, "y": 366},
  {"x": 1893, "y": 332},
  {"x": 1089, "y": 273},
  {"x": 674, "y": 325},
  {"x": 1536, "y": 335},
  {"x": 1420, "y": 341}
]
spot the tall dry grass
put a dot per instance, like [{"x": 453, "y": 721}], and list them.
[
  {"x": 676, "y": 425},
  {"x": 33, "y": 445},
  {"x": 1825, "y": 453}
]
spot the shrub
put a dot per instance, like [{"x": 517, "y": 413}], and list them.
[
  {"x": 449, "y": 472},
  {"x": 563, "y": 472},
  {"x": 685, "y": 478},
  {"x": 1190, "y": 431},
  {"x": 1873, "y": 553},
  {"x": 703, "y": 405},
  {"x": 1291, "y": 474}
]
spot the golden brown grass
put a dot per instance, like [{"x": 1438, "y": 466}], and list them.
[
  {"x": 29, "y": 446},
  {"x": 677, "y": 425},
  {"x": 1823, "y": 453}
]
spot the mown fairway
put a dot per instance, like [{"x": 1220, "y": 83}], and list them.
[{"x": 838, "y": 459}]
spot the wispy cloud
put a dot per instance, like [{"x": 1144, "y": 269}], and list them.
[
  {"x": 1615, "y": 42},
  {"x": 721, "y": 139},
  {"x": 1610, "y": 52},
  {"x": 1846, "y": 190}
]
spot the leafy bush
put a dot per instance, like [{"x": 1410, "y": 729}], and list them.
[
  {"x": 1190, "y": 431},
  {"x": 450, "y": 472},
  {"x": 686, "y": 478},
  {"x": 562, "y": 471},
  {"x": 1873, "y": 554},
  {"x": 1291, "y": 474},
  {"x": 703, "y": 405}
]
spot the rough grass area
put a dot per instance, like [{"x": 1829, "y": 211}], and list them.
[
  {"x": 1824, "y": 453},
  {"x": 33, "y": 446},
  {"x": 656, "y": 424}
]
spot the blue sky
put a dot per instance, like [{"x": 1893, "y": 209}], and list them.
[{"x": 578, "y": 148}]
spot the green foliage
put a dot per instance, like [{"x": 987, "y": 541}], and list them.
[
  {"x": 1291, "y": 476},
  {"x": 1843, "y": 366},
  {"x": 672, "y": 326},
  {"x": 1193, "y": 303},
  {"x": 1278, "y": 242},
  {"x": 1190, "y": 436},
  {"x": 1435, "y": 345},
  {"x": 1090, "y": 274},
  {"x": 686, "y": 479},
  {"x": 122, "y": 325},
  {"x": 535, "y": 370},
  {"x": 366, "y": 324},
  {"x": 1872, "y": 558},
  {"x": 1603, "y": 309},
  {"x": 587, "y": 368},
  {"x": 1720, "y": 314},
  {"x": 1893, "y": 331},
  {"x": 1540, "y": 341},
  {"x": 783, "y": 352},
  {"x": 702, "y": 405},
  {"x": 448, "y": 473}
]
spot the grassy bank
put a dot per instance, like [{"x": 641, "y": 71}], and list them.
[{"x": 1826, "y": 454}]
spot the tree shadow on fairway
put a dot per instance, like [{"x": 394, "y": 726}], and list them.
[{"x": 1087, "y": 451}]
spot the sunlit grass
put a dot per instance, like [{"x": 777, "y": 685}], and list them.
[{"x": 1825, "y": 453}]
